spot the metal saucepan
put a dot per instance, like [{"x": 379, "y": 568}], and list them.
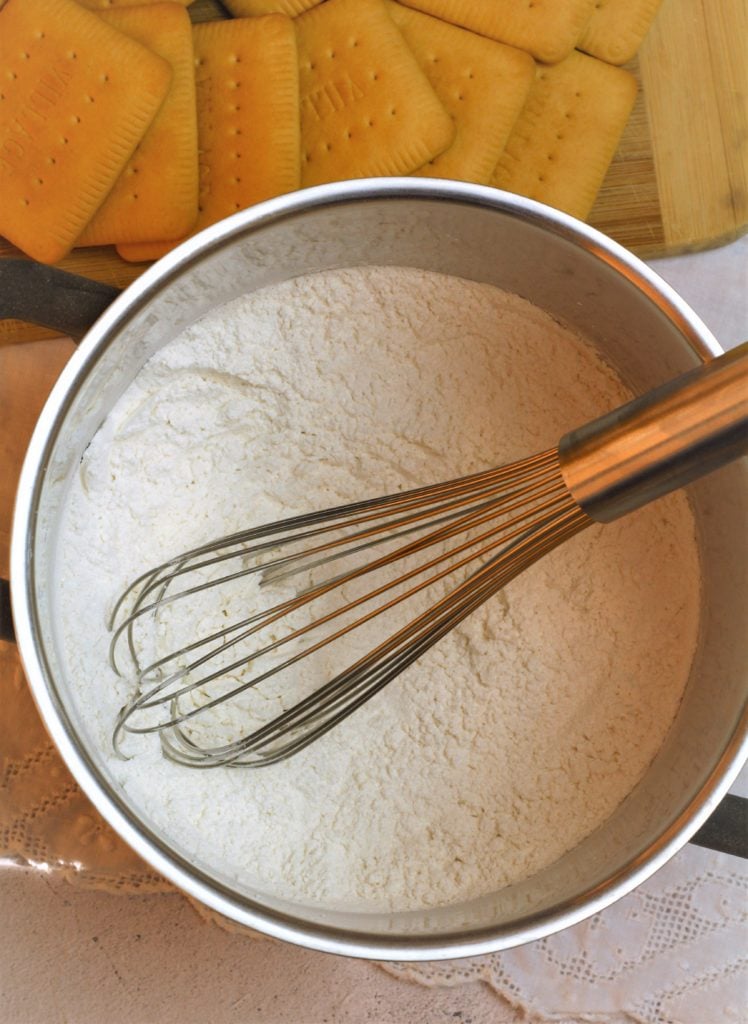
[{"x": 579, "y": 277}]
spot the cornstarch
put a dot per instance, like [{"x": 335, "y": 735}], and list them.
[{"x": 515, "y": 736}]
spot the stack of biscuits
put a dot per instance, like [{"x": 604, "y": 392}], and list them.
[{"x": 123, "y": 124}]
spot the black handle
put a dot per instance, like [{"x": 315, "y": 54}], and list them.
[
  {"x": 51, "y": 298},
  {"x": 6, "y": 619},
  {"x": 727, "y": 828}
]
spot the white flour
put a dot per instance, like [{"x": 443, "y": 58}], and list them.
[{"x": 513, "y": 738}]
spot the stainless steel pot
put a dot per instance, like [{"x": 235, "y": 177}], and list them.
[{"x": 578, "y": 276}]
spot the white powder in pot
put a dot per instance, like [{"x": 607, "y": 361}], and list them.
[{"x": 514, "y": 737}]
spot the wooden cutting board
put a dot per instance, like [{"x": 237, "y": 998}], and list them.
[{"x": 679, "y": 181}]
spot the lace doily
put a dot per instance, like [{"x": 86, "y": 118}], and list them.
[
  {"x": 674, "y": 950},
  {"x": 45, "y": 820}
]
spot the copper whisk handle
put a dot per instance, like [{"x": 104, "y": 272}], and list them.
[{"x": 662, "y": 441}]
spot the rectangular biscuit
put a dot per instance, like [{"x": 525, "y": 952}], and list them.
[
  {"x": 251, "y": 8},
  {"x": 109, "y": 5},
  {"x": 145, "y": 252},
  {"x": 616, "y": 28},
  {"x": 366, "y": 106},
  {"x": 77, "y": 97},
  {"x": 246, "y": 76},
  {"x": 156, "y": 195},
  {"x": 564, "y": 140},
  {"x": 482, "y": 84},
  {"x": 548, "y": 29}
]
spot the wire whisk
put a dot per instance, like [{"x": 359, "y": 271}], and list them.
[{"x": 243, "y": 618}]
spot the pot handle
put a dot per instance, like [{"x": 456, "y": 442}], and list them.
[
  {"x": 726, "y": 830},
  {"x": 52, "y": 298},
  {"x": 71, "y": 304},
  {"x": 7, "y": 632}
]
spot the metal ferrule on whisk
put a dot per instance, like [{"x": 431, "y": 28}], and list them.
[{"x": 661, "y": 441}]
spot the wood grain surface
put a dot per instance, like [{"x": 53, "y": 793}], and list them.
[{"x": 679, "y": 181}]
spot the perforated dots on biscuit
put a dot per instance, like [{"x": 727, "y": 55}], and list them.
[
  {"x": 83, "y": 96},
  {"x": 366, "y": 106}
]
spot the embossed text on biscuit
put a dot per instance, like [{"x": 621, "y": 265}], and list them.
[
  {"x": 45, "y": 96},
  {"x": 332, "y": 97}
]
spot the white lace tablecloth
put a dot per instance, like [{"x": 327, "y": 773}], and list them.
[{"x": 674, "y": 950}]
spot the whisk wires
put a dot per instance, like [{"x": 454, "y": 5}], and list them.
[{"x": 477, "y": 532}]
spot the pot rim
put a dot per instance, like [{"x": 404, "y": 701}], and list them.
[{"x": 148, "y": 845}]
